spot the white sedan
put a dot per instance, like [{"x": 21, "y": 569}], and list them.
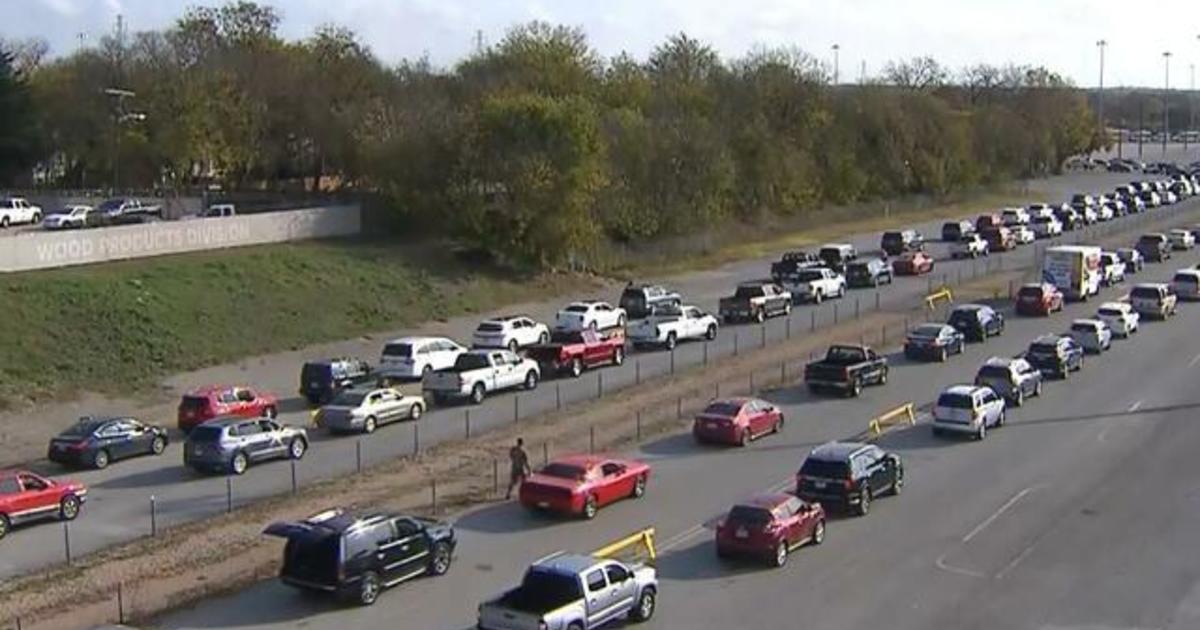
[
  {"x": 1023, "y": 234},
  {"x": 1120, "y": 317},
  {"x": 512, "y": 332},
  {"x": 1093, "y": 334},
  {"x": 589, "y": 315},
  {"x": 1181, "y": 239},
  {"x": 1046, "y": 227},
  {"x": 70, "y": 217}
]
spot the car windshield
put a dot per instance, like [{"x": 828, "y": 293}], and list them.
[
  {"x": 926, "y": 331},
  {"x": 398, "y": 350},
  {"x": 1043, "y": 350},
  {"x": 953, "y": 400},
  {"x": 858, "y": 269},
  {"x": 750, "y": 515},
  {"x": 564, "y": 471},
  {"x": 576, "y": 308},
  {"x": 994, "y": 371},
  {"x": 349, "y": 399},
  {"x": 194, "y": 403},
  {"x": 1145, "y": 293},
  {"x": 824, "y": 468},
  {"x": 470, "y": 361},
  {"x": 748, "y": 292},
  {"x": 1185, "y": 277},
  {"x": 1110, "y": 312},
  {"x": 1087, "y": 328},
  {"x": 316, "y": 372},
  {"x": 845, "y": 354},
  {"x": 206, "y": 433},
  {"x": 1035, "y": 292},
  {"x": 726, "y": 409},
  {"x": 809, "y": 275},
  {"x": 111, "y": 204},
  {"x": 490, "y": 327}
]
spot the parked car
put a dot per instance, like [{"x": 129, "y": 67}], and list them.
[
  {"x": 769, "y": 527},
  {"x": 999, "y": 239},
  {"x": 320, "y": 381},
  {"x": 477, "y": 373},
  {"x": 217, "y": 211},
  {"x": 354, "y": 556},
  {"x": 988, "y": 221},
  {"x": 837, "y": 255},
  {"x": 897, "y": 242},
  {"x": 933, "y": 341},
  {"x": 217, "y": 401},
  {"x": 976, "y": 322},
  {"x": 579, "y": 485},
  {"x": 96, "y": 441},
  {"x": 1046, "y": 227},
  {"x": 968, "y": 409},
  {"x": 1040, "y": 210},
  {"x": 642, "y": 300},
  {"x": 72, "y": 216},
  {"x": 16, "y": 210},
  {"x": 755, "y": 301},
  {"x": 1112, "y": 269},
  {"x": 1154, "y": 299},
  {"x": 1154, "y": 247},
  {"x": 126, "y": 207},
  {"x": 1105, "y": 212},
  {"x": 1186, "y": 284},
  {"x": 736, "y": 421},
  {"x": 969, "y": 246},
  {"x": 1134, "y": 262},
  {"x": 1081, "y": 201},
  {"x": 1055, "y": 355},
  {"x": 1023, "y": 234},
  {"x": 953, "y": 231},
  {"x": 913, "y": 264},
  {"x": 565, "y": 591},
  {"x": 512, "y": 332},
  {"x": 792, "y": 261},
  {"x": 1181, "y": 239},
  {"x": 573, "y": 352},
  {"x": 1014, "y": 379},
  {"x": 868, "y": 273},
  {"x": 666, "y": 328},
  {"x": 1093, "y": 334},
  {"x": 231, "y": 445},
  {"x": 1120, "y": 317},
  {"x": 27, "y": 496},
  {"x": 1012, "y": 217},
  {"x": 849, "y": 476},
  {"x": 1151, "y": 198},
  {"x": 1039, "y": 298},
  {"x": 846, "y": 368},
  {"x": 589, "y": 314},
  {"x": 815, "y": 284},
  {"x": 364, "y": 410},
  {"x": 1069, "y": 217},
  {"x": 411, "y": 358}
]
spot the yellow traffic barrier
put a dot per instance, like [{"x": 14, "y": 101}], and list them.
[
  {"x": 643, "y": 538},
  {"x": 943, "y": 293},
  {"x": 315, "y": 417},
  {"x": 906, "y": 412}
]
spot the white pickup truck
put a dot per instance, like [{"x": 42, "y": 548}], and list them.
[
  {"x": 15, "y": 210},
  {"x": 815, "y": 284},
  {"x": 477, "y": 373},
  {"x": 666, "y": 328}
]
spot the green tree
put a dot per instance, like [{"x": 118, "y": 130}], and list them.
[{"x": 19, "y": 138}]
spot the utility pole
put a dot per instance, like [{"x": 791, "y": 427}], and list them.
[
  {"x": 1191, "y": 106},
  {"x": 1102, "y": 44},
  {"x": 1141, "y": 124},
  {"x": 1166, "y": 124},
  {"x": 862, "y": 73},
  {"x": 836, "y": 48}
]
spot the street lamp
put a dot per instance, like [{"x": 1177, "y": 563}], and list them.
[
  {"x": 836, "y": 48},
  {"x": 1166, "y": 101},
  {"x": 120, "y": 117},
  {"x": 1102, "y": 44}
]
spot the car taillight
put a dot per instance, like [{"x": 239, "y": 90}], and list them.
[{"x": 848, "y": 484}]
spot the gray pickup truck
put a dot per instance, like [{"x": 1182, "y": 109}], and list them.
[{"x": 574, "y": 592}]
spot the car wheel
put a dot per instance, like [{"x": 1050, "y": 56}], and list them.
[
  {"x": 576, "y": 367},
  {"x": 425, "y": 371},
  {"x": 982, "y": 432},
  {"x": 781, "y": 554},
  {"x": 856, "y": 389},
  {"x": 368, "y": 589},
  {"x": 68, "y": 508},
  {"x": 1001, "y": 419},
  {"x": 864, "y": 503},
  {"x": 817, "y": 297},
  {"x": 4, "y": 222},
  {"x": 531, "y": 380},
  {"x": 647, "y": 602},
  {"x": 239, "y": 463},
  {"x": 760, "y": 316},
  {"x": 898, "y": 484},
  {"x": 1037, "y": 389},
  {"x": 592, "y": 325},
  {"x": 5, "y": 525},
  {"x": 639, "y": 487},
  {"x": 370, "y": 424},
  {"x": 711, "y": 333},
  {"x": 590, "y": 507},
  {"x": 818, "y": 536},
  {"x": 841, "y": 292},
  {"x": 544, "y": 338},
  {"x": 743, "y": 438},
  {"x": 414, "y": 412},
  {"x": 100, "y": 460},
  {"x": 477, "y": 393},
  {"x": 297, "y": 448},
  {"x": 787, "y": 308},
  {"x": 618, "y": 356},
  {"x": 1019, "y": 399},
  {"x": 943, "y": 356},
  {"x": 671, "y": 341},
  {"x": 778, "y": 425},
  {"x": 270, "y": 412},
  {"x": 512, "y": 346},
  {"x": 621, "y": 321},
  {"x": 158, "y": 446},
  {"x": 440, "y": 562},
  {"x": 883, "y": 377}
]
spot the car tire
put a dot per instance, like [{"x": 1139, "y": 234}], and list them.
[
  {"x": 425, "y": 371},
  {"x": 672, "y": 341},
  {"x": 5, "y": 525},
  {"x": 817, "y": 297},
  {"x": 368, "y": 589},
  {"x": 1001, "y": 419},
  {"x": 883, "y": 377},
  {"x": 780, "y": 557},
  {"x": 100, "y": 460},
  {"x": 478, "y": 392},
  {"x": 898, "y": 484},
  {"x": 158, "y": 446},
  {"x": 787, "y": 308},
  {"x": 646, "y": 605},
  {"x": 576, "y": 367},
  {"x": 864, "y": 503},
  {"x": 68, "y": 507},
  {"x": 639, "y": 487},
  {"x": 855, "y": 389},
  {"x": 531, "y": 380},
  {"x": 841, "y": 291},
  {"x": 239, "y": 464},
  {"x": 760, "y": 316},
  {"x": 592, "y": 325},
  {"x": 982, "y": 432},
  {"x": 818, "y": 536},
  {"x": 4, "y": 223},
  {"x": 1037, "y": 389},
  {"x": 711, "y": 333},
  {"x": 512, "y": 346},
  {"x": 370, "y": 424},
  {"x": 590, "y": 507},
  {"x": 575, "y": 626},
  {"x": 943, "y": 356},
  {"x": 620, "y": 321},
  {"x": 743, "y": 438},
  {"x": 778, "y": 425},
  {"x": 618, "y": 356},
  {"x": 270, "y": 412},
  {"x": 414, "y": 412},
  {"x": 544, "y": 338},
  {"x": 440, "y": 559},
  {"x": 297, "y": 448},
  {"x": 1019, "y": 399}
]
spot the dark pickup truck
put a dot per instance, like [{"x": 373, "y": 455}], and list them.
[
  {"x": 572, "y": 352},
  {"x": 846, "y": 368},
  {"x": 791, "y": 262},
  {"x": 755, "y": 301}
]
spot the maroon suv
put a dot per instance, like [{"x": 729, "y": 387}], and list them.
[{"x": 769, "y": 527}]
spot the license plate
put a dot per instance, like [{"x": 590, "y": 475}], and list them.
[
  {"x": 819, "y": 484},
  {"x": 198, "y": 451},
  {"x": 710, "y": 424},
  {"x": 543, "y": 504},
  {"x": 741, "y": 533},
  {"x": 314, "y": 385}
]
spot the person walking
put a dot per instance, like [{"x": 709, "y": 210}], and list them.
[{"x": 518, "y": 461}]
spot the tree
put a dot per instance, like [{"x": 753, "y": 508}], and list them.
[
  {"x": 19, "y": 137},
  {"x": 918, "y": 73}
]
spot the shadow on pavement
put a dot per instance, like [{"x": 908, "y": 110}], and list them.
[
  {"x": 156, "y": 477},
  {"x": 510, "y": 517},
  {"x": 700, "y": 562},
  {"x": 273, "y": 603}
]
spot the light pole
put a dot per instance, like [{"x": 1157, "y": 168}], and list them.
[
  {"x": 1191, "y": 106},
  {"x": 120, "y": 117},
  {"x": 836, "y": 48},
  {"x": 1102, "y": 44},
  {"x": 1166, "y": 101}
]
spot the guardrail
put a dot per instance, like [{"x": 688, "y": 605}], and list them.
[
  {"x": 932, "y": 298},
  {"x": 643, "y": 538},
  {"x": 906, "y": 412}
]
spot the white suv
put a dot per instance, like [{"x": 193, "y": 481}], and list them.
[
  {"x": 1181, "y": 239},
  {"x": 512, "y": 332},
  {"x": 969, "y": 246},
  {"x": 969, "y": 409},
  {"x": 1120, "y": 317},
  {"x": 1093, "y": 334},
  {"x": 414, "y": 357}
]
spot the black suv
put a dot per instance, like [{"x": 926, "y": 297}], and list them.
[
  {"x": 320, "y": 381},
  {"x": 953, "y": 231},
  {"x": 849, "y": 475},
  {"x": 641, "y": 300},
  {"x": 1154, "y": 247},
  {"x": 1055, "y": 355},
  {"x": 896, "y": 243},
  {"x": 354, "y": 556},
  {"x": 976, "y": 322},
  {"x": 868, "y": 273}
]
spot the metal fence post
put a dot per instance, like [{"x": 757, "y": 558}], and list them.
[
  {"x": 1010, "y": 289},
  {"x": 120, "y": 604},
  {"x": 558, "y": 396},
  {"x": 788, "y": 328},
  {"x": 706, "y": 353},
  {"x": 637, "y": 368},
  {"x": 67, "y": 540},
  {"x": 782, "y": 372},
  {"x": 735, "y": 344},
  {"x": 293, "y": 467},
  {"x": 516, "y": 408},
  {"x": 762, "y": 329},
  {"x": 545, "y": 452},
  {"x": 433, "y": 494},
  {"x": 752, "y": 381},
  {"x": 877, "y": 300},
  {"x": 358, "y": 455},
  {"x": 599, "y": 384},
  {"x": 883, "y": 336},
  {"x": 679, "y": 408},
  {"x": 592, "y": 439},
  {"x": 835, "y": 314},
  {"x": 467, "y": 423},
  {"x": 672, "y": 360},
  {"x": 416, "y": 439},
  {"x": 856, "y": 307},
  {"x": 639, "y": 424},
  {"x": 495, "y": 477},
  {"x": 228, "y": 494},
  {"x": 153, "y": 517},
  {"x": 813, "y": 326}
]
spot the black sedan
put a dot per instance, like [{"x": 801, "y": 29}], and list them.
[
  {"x": 976, "y": 322},
  {"x": 933, "y": 342},
  {"x": 97, "y": 441}
]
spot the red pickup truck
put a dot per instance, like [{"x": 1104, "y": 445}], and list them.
[
  {"x": 572, "y": 352},
  {"x": 25, "y": 496}
]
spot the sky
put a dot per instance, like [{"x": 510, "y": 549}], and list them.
[{"x": 1059, "y": 34}]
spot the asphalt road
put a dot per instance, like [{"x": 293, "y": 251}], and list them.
[
  {"x": 119, "y": 502},
  {"x": 1079, "y": 514}
]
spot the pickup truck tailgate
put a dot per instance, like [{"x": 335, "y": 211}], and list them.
[
  {"x": 826, "y": 373},
  {"x": 494, "y": 617},
  {"x": 442, "y": 381}
]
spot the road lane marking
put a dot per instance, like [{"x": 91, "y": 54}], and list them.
[
  {"x": 995, "y": 515},
  {"x": 1015, "y": 561},
  {"x": 1194, "y": 361},
  {"x": 941, "y": 564},
  {"x": 1138, "y": 405}
]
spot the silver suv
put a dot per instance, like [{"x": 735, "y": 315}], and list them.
[
  {"x": 232, "y": 444},
  {"x": 1014, "y": 379}
]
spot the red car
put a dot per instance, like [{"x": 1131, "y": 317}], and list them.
[
  {"x": 25, "y": 497},
  {"x": 988, "y": 221},
  {"x": 913, "y": 264},
  {"x": 217, "y": 401},
  {"x": 1000, "y": 239},
  {"x": 736, "y": 421},
  {"x": 582, "y": 484},
  {"x": 770, "y": 526},
  {"x": 573, "y": 352},
  {"x": 1039, "y": 299}
]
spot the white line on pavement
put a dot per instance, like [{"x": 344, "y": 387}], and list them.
[
  {"x": 1138, "y": 405},
  {"x": 995, "y": 515}
]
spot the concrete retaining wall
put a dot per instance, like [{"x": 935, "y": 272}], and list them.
[{"x": 48, "y": 250}]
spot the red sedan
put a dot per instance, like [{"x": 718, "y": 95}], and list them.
[
  {"x": 25, "y": 496},
  {"x": 736, "y": 421},
  {"x": 1039, "y": 299},
  {"x": 582, "y": 484},
  {"x": 218, "y": 401},
  {"x": 770, "y": 526},
  {"x": 913, "y": 264}
]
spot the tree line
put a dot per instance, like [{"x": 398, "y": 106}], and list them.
[{"x": 535, "y": 149}]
